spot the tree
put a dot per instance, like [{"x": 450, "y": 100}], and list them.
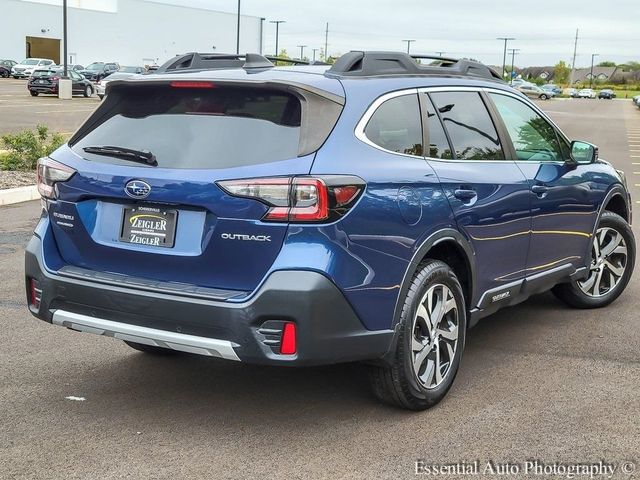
[
  {"x": 630, "y": 67},
  {"x": 561, "y": 72},
  {"x": 607, "y": 63}
]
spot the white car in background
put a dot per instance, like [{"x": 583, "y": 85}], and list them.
[
  {"x": 101, "y": 85},
  {"x": 587, "y": 93},
  {"x": 25, "y": 68}
]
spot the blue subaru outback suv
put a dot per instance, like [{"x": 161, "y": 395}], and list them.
[{"x": 371, "y": 211}]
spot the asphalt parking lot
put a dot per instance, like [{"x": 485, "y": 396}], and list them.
[
  {"x": 537, "y": 381},
  {"x": 19, "y": 110}
]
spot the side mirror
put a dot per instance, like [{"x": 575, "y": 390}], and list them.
[{"x": 583, "y": 152}]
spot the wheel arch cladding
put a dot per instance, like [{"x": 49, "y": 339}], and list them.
[
  {"x": 618, "y": 205},
  {"x": 451, "y": 247}
]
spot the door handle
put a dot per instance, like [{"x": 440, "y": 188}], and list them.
[
  {"x": 539, "y": 189},
  {"x": 465, "y": 194}
]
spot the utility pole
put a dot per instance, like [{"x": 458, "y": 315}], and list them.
[
  {"x": 314, "y": 54},
  {"x": 504, "y": 53},
  {"x": 302, "y": 47},
  {"x": 64, "y": 37},
  {"x": 277, "y": 22},
  {"x": 440, "y": 53},
  {"x": 262, "y": 19},
  {"x": 573, "y": 63},
  {"x": 593, "y": 55},
  {"x": 513, "y": 56},
  {"x": 238, "y": 31},
  {"x": 326, "y": 43},
  {"x": 409, "y": 42}
]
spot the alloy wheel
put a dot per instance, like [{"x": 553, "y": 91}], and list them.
[
  {"x": 608, "y": 263},
  {"x": 434, "y": 336}
]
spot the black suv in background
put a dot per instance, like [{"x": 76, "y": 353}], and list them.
[
  {"x": 5, "y": 68},
  {"x": 98, "y": 70}
]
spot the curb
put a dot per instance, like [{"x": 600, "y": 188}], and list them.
[{"x": 19, "y": 194}]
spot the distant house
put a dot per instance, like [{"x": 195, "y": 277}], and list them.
[
  {"x": 599, "y": 73},
  {"x": 538, "y": 73}
]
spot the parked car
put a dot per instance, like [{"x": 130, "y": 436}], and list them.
[
  {"x": 586, "y": 93},
  {"x": 99, "y": 70},
  {"x": 101, "y": 86},
  {"x": 332, "y": 235},
  {"x": 572, "y": 92},
  {"x": 129, "y": 69},
  {"x": 636, "y": 100},
  {"x": 533, "y": 91},
  {"x": 550, "y": 87},
  {"x": 25, "y": 68},
  {"x": 47, "y": 81},
  {"x": 606, "y": 94},
  {"x": 5, "y": 68}
]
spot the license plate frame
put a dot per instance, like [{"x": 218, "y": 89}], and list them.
[{"x": 150, "y": 226}]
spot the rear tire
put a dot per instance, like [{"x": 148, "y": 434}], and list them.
[
  {"x": 151, "y": 349},
  {"x": 431, "y": 339},
  {"x": 88, "y": 91},
  {"x": 544, "y": 96},
  {"x": 613, "y": 256},
  {"x": 34, "y": 93}
]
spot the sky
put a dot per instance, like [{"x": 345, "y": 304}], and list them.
[{"x": 544, "y": 29}]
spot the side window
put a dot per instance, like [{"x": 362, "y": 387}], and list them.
[
  {"x": 74, "y": 75},
  {"x": 396, "y": 125},
  {"x": 438, "y": 145},
  {"x": 533, "y": 137},
  {"x": 469, "y": 125}
]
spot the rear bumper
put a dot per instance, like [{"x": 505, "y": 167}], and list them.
[
  {"x": 44, "y": 88},
  {"x": 328, "y": 330}
]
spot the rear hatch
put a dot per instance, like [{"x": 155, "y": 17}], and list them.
[
  {"x": 159, "y": 214},
  {"x": 44, "y": 78}
]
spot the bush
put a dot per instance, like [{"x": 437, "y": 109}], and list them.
[{"x": 26, "y": 147}]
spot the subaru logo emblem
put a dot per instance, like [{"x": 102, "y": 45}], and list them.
[{"x": 137, "y": 189}]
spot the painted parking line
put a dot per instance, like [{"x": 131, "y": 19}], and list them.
[{"x": 64, "y": 111}]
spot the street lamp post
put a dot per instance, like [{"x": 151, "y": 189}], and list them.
[
  {"x": 593, "y": 55},
  {"x": 238, "y": 31},
  {"x": 440, "y": 53},
  {"x": 409, "y": 42},
  {"x": 64, "y": 84},
  {"x": 504, "y": 53},
  {"x": 302, "y": 47},
  {"x": 314, "y": 54},
  {"x": 513, "y": 56},
  {"x": 277, "y": 22}
]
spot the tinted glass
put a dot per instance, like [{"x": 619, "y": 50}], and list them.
[
  {"x": 438, "y": 143},
  {"x": 396, "y": 125},
  {"x": 469, "y": 125},
  {"x": 199, "y": 127},
  {"x": 96, "y": 66},
  {"x": 533, "y": 137}
]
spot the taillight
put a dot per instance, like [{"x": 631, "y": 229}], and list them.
[
  {"x": 191, "y": 84},
  {"x": 51, "y": 172},
  {"x": 299, "y": 199}
]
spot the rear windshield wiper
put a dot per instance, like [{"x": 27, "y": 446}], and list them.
[{"x": 140, "y": 156}]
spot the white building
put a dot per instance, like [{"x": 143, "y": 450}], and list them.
[{"x": 130, "y": 32}]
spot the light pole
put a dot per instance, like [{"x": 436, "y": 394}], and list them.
[
  {"x": 593, "y": 55},
  {"x": 314, "y": 54},
  {"x": 513, "y": 56},
  {"x": 409, "y": 42},
  {"x": 238, "y": 31},
  {"x": 64, "y": 36},
  {"x": 277, "y": 22},
  {"x": 440, "y": 53},
  {"x": 302, "y": 47},
  {"x": 504, "y": 54},
  {"x": 262, "y": 19}
]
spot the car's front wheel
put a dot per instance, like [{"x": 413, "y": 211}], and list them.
[
  {"x": 544, "y": 96},
  {"x": 33, "y": 93},
  {"x": 88, "y": 91},
  {"x": 431, "y": 339},
  {"x": 613, "y": 256}
]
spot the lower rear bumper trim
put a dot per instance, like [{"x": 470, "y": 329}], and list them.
[{"x": 148, "y": 336}]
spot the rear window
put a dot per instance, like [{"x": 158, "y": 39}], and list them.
[
  {"x": 198, "y": 127},
  {"x": 43, "y": 73}
]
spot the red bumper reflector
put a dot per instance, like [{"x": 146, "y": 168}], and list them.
[
  {"x": 36, "y": 293},
  {"x": 288, "y": 342}
]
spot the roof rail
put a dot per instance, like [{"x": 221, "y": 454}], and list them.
[
  {"x": 293, "y": 61},
  {"x": 213, "y": 61},
  {"x": 368, "y": 64}
]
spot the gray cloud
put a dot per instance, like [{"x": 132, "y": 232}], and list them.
[{"x": 544, "y": 29}]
